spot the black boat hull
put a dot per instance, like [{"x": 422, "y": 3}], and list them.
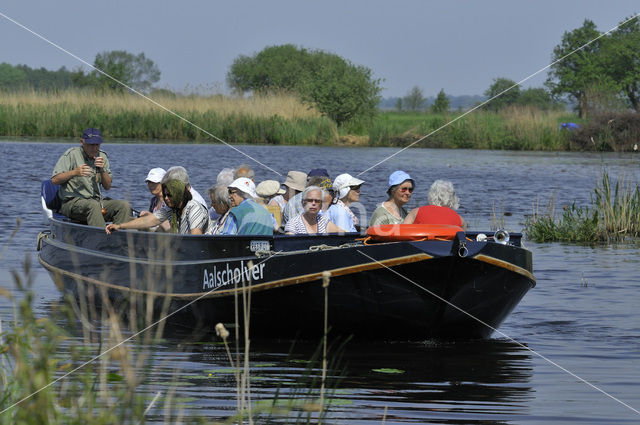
[{"x": 398, "y": 290}]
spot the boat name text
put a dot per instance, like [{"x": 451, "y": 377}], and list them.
[{"x": 227, "y": 275}]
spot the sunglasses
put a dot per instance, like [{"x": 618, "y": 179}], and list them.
[
  {"x": 232, "y": 191},
  {"x": 313, "y": 201},
  {"x": 406, "y": 189},
  {"x": 167, "y": 195},
  {"x": 355, "y": 188}
]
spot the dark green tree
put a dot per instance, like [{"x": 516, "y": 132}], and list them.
[
  {"x": 538, "y": 97},
  {"x": 506, "y": 90},
  {"x": 11, "y": 77},
  {"x": 136, "y": 71},
  {"x": 399, "y": 104},
  {"x": 441, "y": 104},
  {"x": 620, "y": 53},
  {"x": 274, "y": 68},
  {"x": 414, "y": 99},
  {"x": 574, "y": 74},
  {"x": 336, "y": 87}
]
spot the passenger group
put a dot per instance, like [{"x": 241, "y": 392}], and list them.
[{"x": 305, "y": 203}]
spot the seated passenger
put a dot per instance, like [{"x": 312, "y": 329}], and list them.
[
  {"x": 266, "y": 191},
  {"x": 155, "y": 187},
  {"x": 392, "y": 210},
  {"x": 244, "y": 170},
  {"x": 310, "y": 221},
  {"x": 186, "y": 214},
  {"x": 224, "y": 178},
  {"x": 442, "y": 203},
  {"x": 246, "y": 217},
  {"x": 180, "y": 173},
  {"x": 316, "y": 177},
  {"x": 347, "y": 190},
  {"x": 221, "y": 204},
  {"x": 80, "y": 172}
]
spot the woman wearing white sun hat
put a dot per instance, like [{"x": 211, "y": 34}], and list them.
[
  {"x": 347, "y": 191},
  {"x": 153, "y": 180}
]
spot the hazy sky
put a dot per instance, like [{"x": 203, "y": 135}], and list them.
[{"x": 460, "y": 46}]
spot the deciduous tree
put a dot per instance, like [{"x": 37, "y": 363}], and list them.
[
  {"x": 414, "y": 100},
  {"x": 621, "y": 60},
  {"x": 508, "y": 93},
  {"x": 441, "y": 104},
  {"x": 574, "y": 74},
  {"x": 136, "y": 71},
  {"x": 336, "y": 87}
]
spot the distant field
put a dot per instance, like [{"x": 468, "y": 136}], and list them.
[{"x": 273, "y": 119}]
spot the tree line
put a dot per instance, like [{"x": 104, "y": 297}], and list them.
[{"x": 136, "y": 71}]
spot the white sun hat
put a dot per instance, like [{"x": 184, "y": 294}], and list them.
[
  {"x": 155, "y": 175},
  {"x": 246, "y": 185},
  {"x": 343, "y": 183}
]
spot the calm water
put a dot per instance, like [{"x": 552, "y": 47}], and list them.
[{"x": 583, "y": 315}]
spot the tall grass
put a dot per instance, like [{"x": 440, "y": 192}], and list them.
[
  {"x": 275, "y": 119},
  {"x": 517, "y": 128},
  {"x": 613, "y": 215},
  {"x": 279, "y": 118}
]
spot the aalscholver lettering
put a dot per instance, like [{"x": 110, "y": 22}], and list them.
[{"x": 227, "y": 275}]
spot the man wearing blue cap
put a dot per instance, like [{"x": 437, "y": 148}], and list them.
[{"x": 80, "y": 172}]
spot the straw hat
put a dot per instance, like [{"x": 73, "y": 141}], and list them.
[
  {"x": 269, "y": 188},
  {"x": 296, "y": 180}
]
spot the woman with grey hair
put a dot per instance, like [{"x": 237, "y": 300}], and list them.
[
  {"x": 221, "y": 203},
  {"x": 311, "y": 221},
  {"x": 442, "y": 203}
]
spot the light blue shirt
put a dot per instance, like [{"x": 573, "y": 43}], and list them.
[{"x": 339, "y": 216}]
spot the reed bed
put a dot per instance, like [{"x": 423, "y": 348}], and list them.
[
  {"x": 517, "y": 128},
  {"x": 273, "y": 119},
  {"x": 613, "y": 216},
  {"x": 280, "y": 118}
]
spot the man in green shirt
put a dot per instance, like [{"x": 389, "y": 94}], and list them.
[{"x": 80, "y": 172}]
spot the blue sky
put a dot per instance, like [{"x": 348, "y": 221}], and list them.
[{"x": 458, "y": 46}]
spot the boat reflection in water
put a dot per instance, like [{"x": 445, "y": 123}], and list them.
[
  {"x": 464, "y": 381},
  {"x": 378, "y": 289}
]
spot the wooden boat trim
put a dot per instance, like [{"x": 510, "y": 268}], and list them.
[
  {"x": 505, "y": 265},
  {"x": 257, "y": 287}
]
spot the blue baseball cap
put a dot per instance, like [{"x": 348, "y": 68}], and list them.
[
  {"x": 399, "y": 176},
  {"x": 318, "y": 172},
  {"x": 92, "y": 136}
]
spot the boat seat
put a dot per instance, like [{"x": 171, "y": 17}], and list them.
[{"x": 51, "y": 203}]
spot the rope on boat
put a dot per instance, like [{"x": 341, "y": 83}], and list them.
[{"x": 313, "y": 248}]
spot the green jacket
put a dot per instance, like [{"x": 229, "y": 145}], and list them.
[{"x": 79, "y": 187}]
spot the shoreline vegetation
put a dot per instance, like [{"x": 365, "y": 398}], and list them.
[
  {"x": 283, "y": 119},
  {"x": 613, "y": 216}
]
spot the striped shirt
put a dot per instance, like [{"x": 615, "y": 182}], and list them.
[
  {"x": 194, "y": 216},
  {"x": 296, "y": 225}
]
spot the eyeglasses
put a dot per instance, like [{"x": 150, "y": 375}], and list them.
[
  {"x": 232, "y": 191},
  {"x": 406, "y": 189},
  {"x": 313, "y": 201}
]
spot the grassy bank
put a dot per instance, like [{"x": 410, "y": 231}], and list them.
[
  {"x": 272, "y": 119},
  {"x": 613, "y": 216}
]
